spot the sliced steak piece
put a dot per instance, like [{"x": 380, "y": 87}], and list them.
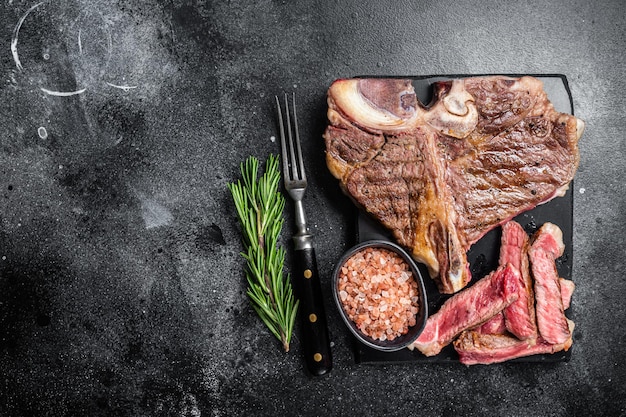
[
  {"x": 546, "y": 247},
  {"x": 440, "y": 177},
  {"x": 477, "y": 348},
  {"x": 520, "y": 315},
  {"x": 492, "y": 343},
  {"x": 494, "y": 325},
  {"x": 567, "y": 290},
  {"x": 469, "y": 308}
]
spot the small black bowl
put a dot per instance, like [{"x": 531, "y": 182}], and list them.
[{"x": 421, "y": 316}]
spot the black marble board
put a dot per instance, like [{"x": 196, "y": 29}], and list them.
[{"x": 483, "y": 255}]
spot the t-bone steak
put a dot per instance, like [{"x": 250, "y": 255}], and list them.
[{"x": 440, "y": 176}]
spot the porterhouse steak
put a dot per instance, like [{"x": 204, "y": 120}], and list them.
[{"x": 441, "y": 176}]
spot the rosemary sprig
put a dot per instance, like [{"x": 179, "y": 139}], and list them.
[{"x": 260, "y": 207}]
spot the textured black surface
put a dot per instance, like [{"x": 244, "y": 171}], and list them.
[{"x": 121, "y": 284}]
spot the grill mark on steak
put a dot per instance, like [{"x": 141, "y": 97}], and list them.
[
  {"x": 395, "y": 186},
  {"x": 507, "y": 174},
  {"x": 487, "y": 148}
]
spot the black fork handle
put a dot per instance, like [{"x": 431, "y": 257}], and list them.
[{"x": 314, "y": 328}]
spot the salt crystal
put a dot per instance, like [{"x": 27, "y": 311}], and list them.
[{"x": 402, "y": 279}]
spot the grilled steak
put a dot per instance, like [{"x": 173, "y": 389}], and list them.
[
  {"x": 547, "y": 246},
  {"x": 469, "y": 308},
  {"x": 440, "y": 177},
  {"x": 520, "y": 315}
]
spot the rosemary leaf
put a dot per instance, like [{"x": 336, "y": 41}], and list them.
[{"x": 260, "y": 208}]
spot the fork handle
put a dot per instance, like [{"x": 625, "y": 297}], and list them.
[{"x": 314, "y": 328}]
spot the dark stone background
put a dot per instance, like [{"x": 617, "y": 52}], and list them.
[{"x": 121, "y": 284}]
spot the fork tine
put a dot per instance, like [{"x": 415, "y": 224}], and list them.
[
  {"x": 302, "y": 174},
  {"x": 293, "y": 162},
  {"x": 293, "y": 165},
  {"x": 283, "y": 145}
]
